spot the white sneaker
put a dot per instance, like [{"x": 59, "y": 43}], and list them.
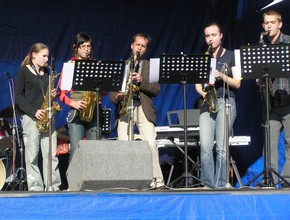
[{"x": 156, "y": 183}]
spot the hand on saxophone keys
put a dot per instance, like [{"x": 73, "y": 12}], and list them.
[
  {"x": 79, "y": 104},
  {"x": 40, "y": 114},
  {"x": 53, "y": 93},
  {"x": 119, "y": 97},
  {"x": 218, "y": 74},
  {"x": 136, "y": 77}
]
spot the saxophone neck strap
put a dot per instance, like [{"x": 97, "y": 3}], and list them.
[
  {"x": 220, "y": 52},
  {"x": 38, "y": 77}
]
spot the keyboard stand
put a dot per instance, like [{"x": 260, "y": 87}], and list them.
[
  {"x": 195, "y": 166},
  {"x": 234, "y": 165}
]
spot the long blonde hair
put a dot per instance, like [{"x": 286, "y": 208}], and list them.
[{"x": 37, "y": 47}]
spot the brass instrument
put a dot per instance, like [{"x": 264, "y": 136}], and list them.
[
  {"x": 131, "y": 87},
  {"x": 86, "y": 114},
  {"x": 211, "y": 95},
  {"x": 211, "y": 98},
  {"x": 43, "y": 124},
  {"x": 262, "y": 34}
]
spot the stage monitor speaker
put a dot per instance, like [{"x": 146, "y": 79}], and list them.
[{"x": 107, "y": 164}]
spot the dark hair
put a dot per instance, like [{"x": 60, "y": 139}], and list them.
[
  {"x": 35, "y": 48},
  {"x": 81, "y": 38},
  {"x": 214, "y": 24},
  {"x": 145, "y": 36}
]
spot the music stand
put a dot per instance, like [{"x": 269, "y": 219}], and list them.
[
  {"x": 91, "y": 75},
  {"x": 184, "y": 69},
  {"x": 266, "y": 61}
]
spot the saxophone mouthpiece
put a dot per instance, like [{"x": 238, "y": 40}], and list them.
[
  {"x": 209, "y": 48},
  {"x": 262, "y": 34},
  {"x": 47, "y": 65},
  {"x": 136, "y": 56}
]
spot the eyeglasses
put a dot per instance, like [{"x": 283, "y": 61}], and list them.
[{"x": 83, "y": 46}]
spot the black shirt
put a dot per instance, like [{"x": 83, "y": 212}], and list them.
[{"x": 29, "y": 93}]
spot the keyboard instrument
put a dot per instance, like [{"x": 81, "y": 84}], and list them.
[{"x": 166, "y": 134}]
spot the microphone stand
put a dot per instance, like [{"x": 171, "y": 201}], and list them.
[
  {"x": 130, "y": 128},
  {"x": 227, "y": 136},
  {"x": 16, "y": 139},
  {"x": 49, "y": 173}
]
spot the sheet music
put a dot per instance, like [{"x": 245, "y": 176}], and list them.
[
  {"x": 238, "y": 64},
  {"x": 212, "y": 71},
  {"x": 67, "y": 76},
  {"x": 124, "y": 83},
  {"x": 154, "y": 70}
]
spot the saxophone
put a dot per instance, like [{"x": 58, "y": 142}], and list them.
[
  {"x": 130, "y": 86},
  {"x": 211, "y": 98},
  {"x": 262, "y": 34},
  {"x": 86, "y": 114},
  {"x": 43, "y": 124},
  {"x": 211, "y": 95}
]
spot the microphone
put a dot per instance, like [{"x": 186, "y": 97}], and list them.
[{"x": 8, "y": 75}]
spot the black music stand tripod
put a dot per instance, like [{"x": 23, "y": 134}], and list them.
[
  {"x": 184, "y": 69},
  {"x": 265, "y": 67},
  {"x": 91, "y": 75}
]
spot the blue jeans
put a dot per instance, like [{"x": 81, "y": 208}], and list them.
[
  {"x": 213, "y": 128},
  {"x": 78, "y": 130}
]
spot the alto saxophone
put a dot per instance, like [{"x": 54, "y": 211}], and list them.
[
  {"x": 211, "y": 95},
  {"x": 43, "y": 124},
  {"x": 86, "y": 114},
  {"x": 131, "y": 87}
]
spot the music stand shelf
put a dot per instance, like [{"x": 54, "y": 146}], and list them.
[
  {"x": 92, "y": 75},
  {"x": 89, "y": 75},
  {"x": 173, "y": 68}
]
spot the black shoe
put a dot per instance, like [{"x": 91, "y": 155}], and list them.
[
  {"x": 160, "y": 188},
  {"x": 285, "y": 185}
]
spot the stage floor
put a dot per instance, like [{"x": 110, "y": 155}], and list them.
[{"x": 191, "y": 203}]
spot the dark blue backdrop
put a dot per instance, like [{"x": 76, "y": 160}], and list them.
[{"x": 175, "y": 26}]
